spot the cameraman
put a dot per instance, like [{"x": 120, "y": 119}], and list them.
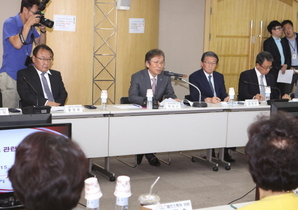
[{"x": 19, "y": 34}]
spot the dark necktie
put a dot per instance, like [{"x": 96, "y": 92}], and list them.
[
  {"x": 210, "y": 83},
  {"x": 46, "y": 87}
]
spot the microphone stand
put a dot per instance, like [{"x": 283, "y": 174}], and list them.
[{"x": 196, "y": 103}]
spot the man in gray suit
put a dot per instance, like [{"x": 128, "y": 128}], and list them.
[
  {"x": 143, "y": 80},
  {"x": 151, "y": 78}
]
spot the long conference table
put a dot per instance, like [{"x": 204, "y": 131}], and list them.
[{"x": 126, "y": 129}]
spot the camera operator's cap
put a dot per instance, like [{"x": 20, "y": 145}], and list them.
[
  {"x": 122, "y": 189},
  {"x": 92, "y": 189}
]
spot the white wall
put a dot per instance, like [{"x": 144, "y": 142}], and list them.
[
  {"x": 8, "y": 8},
  {"x": 181, "y": 33}
]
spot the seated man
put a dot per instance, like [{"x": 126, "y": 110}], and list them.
[
  {"x": 252, "y": 82},
  {"x": 37, "y": 85},
  {"x": 151, "y": 78},
  {"x": 210, "y": 82},
  {"x": 211, "y": 85},
  {"x": 48, "y": 172},
  {"x": 273, "y": 161}
]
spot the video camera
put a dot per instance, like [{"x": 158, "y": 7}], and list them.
[{"x": 44, "y": 21}]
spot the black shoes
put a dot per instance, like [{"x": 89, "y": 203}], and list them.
[
  {"x": 152, "y": 159},
  {"x": 229, "y": 159},
  {"x": 139, "y": 159}
]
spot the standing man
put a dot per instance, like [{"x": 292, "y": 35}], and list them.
[
  {"x": 277, "y": 47},
  {"x": 212, "y": 87},
  {"x": 38, "y": 85},
  {"x": 151, "y": 78},
  {"x": 19, "y": 34},
  {"x": 252, "y": 82},
  {"x": 291, "y": 39},
  {"x": 210, "y": 82}
]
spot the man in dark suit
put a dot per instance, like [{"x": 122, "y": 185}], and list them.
[
  {"x": 291, "y": 39},
  {"x": 277, "y": 47},
  {"x": 212, "y": 87},
  {"x": 250, "y": 83},
  {"x": 151, "y": 78},
  {"x": 213, "y": 91},
  {"x": 37, "y": 85}
]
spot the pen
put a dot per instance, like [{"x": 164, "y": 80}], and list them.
[
  {"x": 137, "y": 105},
  {"x": 234, "y": 207}
]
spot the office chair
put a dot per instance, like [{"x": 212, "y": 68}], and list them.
[{"x": 124, "y": 100}]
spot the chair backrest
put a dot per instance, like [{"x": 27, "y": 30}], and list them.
[
  {"x": 187, "y": 97},
  {"x": 124, "y": 100}
]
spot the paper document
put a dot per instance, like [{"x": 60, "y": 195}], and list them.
[
  {"x": 286, "y": 77},
  {"x": 166, "y": 100}
]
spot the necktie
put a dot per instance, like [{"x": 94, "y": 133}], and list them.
[
  {"x": 262, "y": 86},
  {"x": 210, "y": 83},
  {"x": 46, "y": 87},
  {"x": 153, "y": 85}
]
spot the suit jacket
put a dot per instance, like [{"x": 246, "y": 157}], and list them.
[
  {"x": 248, "y": 91},
  {"x": 270, "y": 46},
  {"x": 288, "y": 48},
  {"x": 140, "y": 82},
  {"x": 199, "y": 79},
  {"x": 28, "y": 95}
]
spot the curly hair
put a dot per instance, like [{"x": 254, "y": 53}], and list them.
[
  {"x": 48, "y": 172},
  {"x": 272, "y": 152}
]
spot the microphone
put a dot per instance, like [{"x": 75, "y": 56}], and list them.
[
  {"x": 196, "y": 103},
  {"x": 176, "y": 75},
  {"x": 279, "y": 93},
  {"x": 24, "y": 78},
  {"x": 35, "y": 109}
]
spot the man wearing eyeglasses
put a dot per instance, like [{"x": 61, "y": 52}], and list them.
[
  {"x": 252, "y": 82},
  {"x": 210, "y": 82},
  {"x": 151, "y": 78},
  {"x": 38, "y": 85},
  {"x": 19, "y": 34},
  {"x": 277, "y": 47}
]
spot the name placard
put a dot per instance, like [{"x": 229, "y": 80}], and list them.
[
  {"x": 251, "y": 102},
  {"x": 4, "y": 111},
  {"x": 172, "y": 105},
  {"x": 73, "y": 108},
  {"x": 180, "y": 205}
]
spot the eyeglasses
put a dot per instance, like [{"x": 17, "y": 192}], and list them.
[
  {"x": 159, "y": 62},
  {"x": 34, "y": 13},
  {"x": 44, "y": 59},
  {"x": 278, "y": 28},
  {"x": 266, "y": 67},
  {"x": 209, "y": 63}
]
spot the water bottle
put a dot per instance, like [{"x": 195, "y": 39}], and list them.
[
  {"x": 92, "y": 193},
  {"x": 231, "y": 94},
  {"x": 121, "y": 203},
  {"x": 104, "y": 97},
  {"x": 267, "y": 93},
  {"x": 149, "y": 96},
  {"x": 92, "y": 204}
]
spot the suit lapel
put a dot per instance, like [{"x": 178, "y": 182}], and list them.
[{"x": 205, "y": 83}]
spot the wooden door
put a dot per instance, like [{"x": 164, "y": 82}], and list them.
[{"x": 237, "y": 29}]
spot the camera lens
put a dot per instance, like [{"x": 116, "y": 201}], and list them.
[{"x": 47, "y": 22}]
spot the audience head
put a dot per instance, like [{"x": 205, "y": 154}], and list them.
[
  {"x": 155, "y": 61},
  {"x": 288, "y": 29},
  {"x": 209, "y": 60},
  {"x": 274, "y": 28},
  {"x": 28, "y": 5},
  {"x": 272, "y": 152},
  {"x": 48, "y": 172},
  {"x": 42, "y": 57},
  {"x": 264, "y": 62}
]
